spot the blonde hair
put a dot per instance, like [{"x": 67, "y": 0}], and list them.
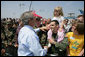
[{"x": 59, "y": 9}]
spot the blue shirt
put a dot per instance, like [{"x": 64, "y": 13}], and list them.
[{"x": 29, "y": 42}]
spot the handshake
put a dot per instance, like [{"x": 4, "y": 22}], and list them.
[{"x": 46, "y": 47}]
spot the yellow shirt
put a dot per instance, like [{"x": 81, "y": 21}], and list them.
[{"x": 76, "y": 43}]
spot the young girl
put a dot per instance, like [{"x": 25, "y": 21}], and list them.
[
  {"x": 76, "y": 40},
  {"x": 58, "y": 14}
]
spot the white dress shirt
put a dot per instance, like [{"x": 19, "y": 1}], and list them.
[{"x": 29, "y": 42}]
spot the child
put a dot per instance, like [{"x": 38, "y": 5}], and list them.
[
  {"x": 58, "y": 14},
  {"x": 76, "y": 40}
]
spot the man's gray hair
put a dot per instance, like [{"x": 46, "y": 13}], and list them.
[{"x": 26, "y": 16}]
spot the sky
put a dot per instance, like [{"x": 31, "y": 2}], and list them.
[{"x": 14, "y": 9}]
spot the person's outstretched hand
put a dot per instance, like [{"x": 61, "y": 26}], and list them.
[{"x": 43, "y": 28}]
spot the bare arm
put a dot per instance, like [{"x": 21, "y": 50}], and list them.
[{"x": 81, "y": 53}]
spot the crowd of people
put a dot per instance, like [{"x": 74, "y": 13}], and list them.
[{"x": 50, "y": 37}]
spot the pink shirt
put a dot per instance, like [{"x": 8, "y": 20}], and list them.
[{"x": 60, "y": 35}]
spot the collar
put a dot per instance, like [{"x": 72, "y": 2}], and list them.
[{"x": 30, "y": 27}]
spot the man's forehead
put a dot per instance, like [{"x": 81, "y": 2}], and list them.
[{"x": 52, "y": 23}]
